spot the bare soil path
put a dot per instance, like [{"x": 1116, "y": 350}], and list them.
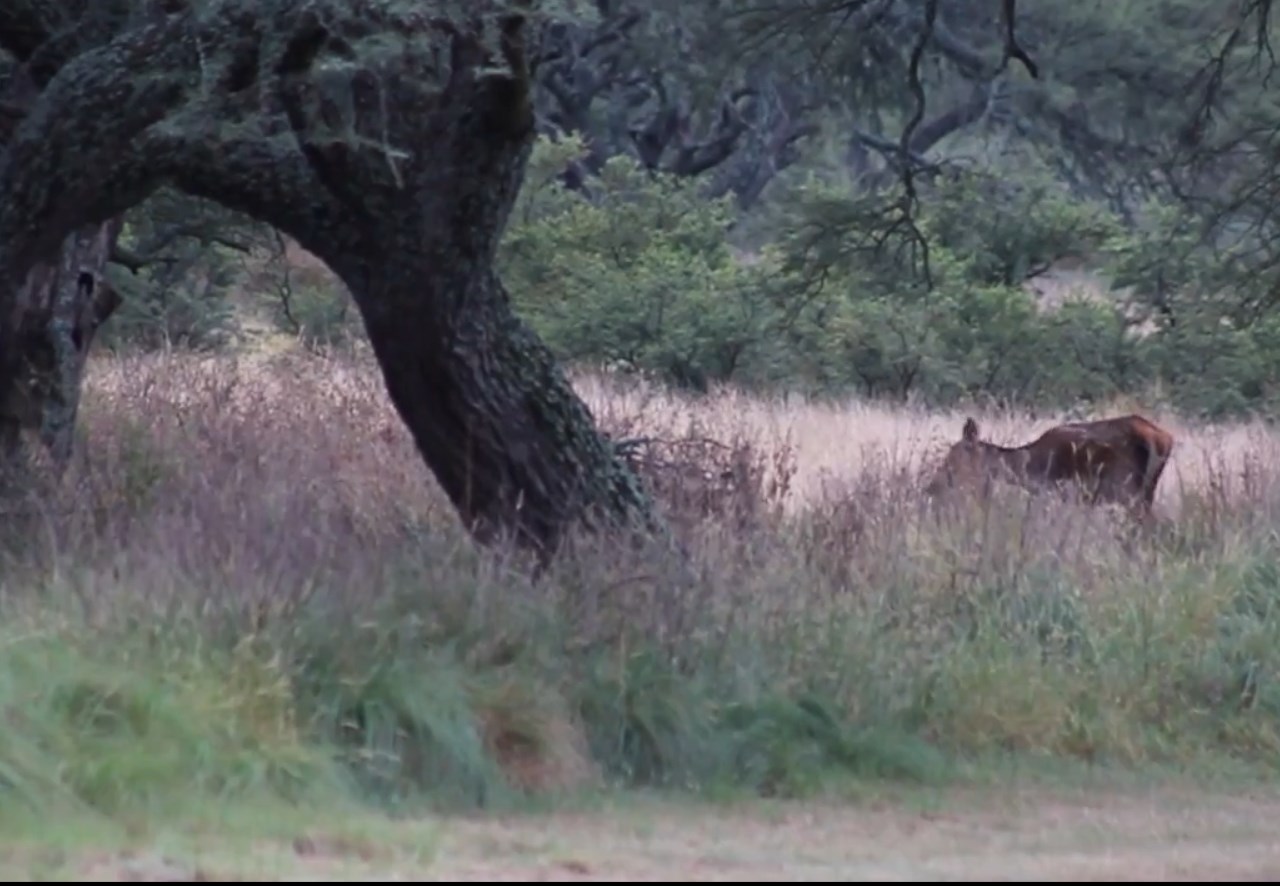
[
  {"x": 960, "y": 834},
  {"x": 1007, "y": 835}
]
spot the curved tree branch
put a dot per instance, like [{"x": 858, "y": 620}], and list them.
[
  {"x": 51, "y": 178},
  {"x": 391, "y": 143}
]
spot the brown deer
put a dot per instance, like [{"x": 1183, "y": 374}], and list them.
[{"x": 1115, "y": 460}]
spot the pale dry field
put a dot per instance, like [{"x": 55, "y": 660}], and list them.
[
  {"x": 978, "y": 835},
  {"x": 832, "y": 443},
  {"x": 966, "y": 835},
  {"x": 835, "y": 442}
]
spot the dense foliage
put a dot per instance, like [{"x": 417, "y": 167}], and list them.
[{"x": 713, "y": 202}]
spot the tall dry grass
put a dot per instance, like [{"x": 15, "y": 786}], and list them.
[
  {"x": 249, "y": 581},
  {"x": 838, "y": 442}
]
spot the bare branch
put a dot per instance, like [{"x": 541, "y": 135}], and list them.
[{"x": 910, "y": 200}]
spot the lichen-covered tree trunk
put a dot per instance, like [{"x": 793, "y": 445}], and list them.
[
  {"x": 508, "y": 439},
  {"x": 45, "y": 337},
  {"x": 51, "y": 303},
  {"x": 389, "y": 139},
  {"x": 494, "y": 417}
]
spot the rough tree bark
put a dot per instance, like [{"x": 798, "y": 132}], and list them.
[
  {"x": 54, "y": 313},
  {"x": 45, "y": 341},
  {"x": 389, "y": 138}
]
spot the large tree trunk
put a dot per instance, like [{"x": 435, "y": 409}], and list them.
[
  {"x": 397, "y": 167},
  {"x": 508, "y": 439},
  {"x": 50, "y": 311},
  {"x": 45, "y": 338},
  {"x": 494, "y": 417}
]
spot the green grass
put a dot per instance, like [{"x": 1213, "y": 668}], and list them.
[
  {"x": 142, "y": 707},
  {"x": 138, "y": 715}
]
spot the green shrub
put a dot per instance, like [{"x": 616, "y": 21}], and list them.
[{"x": 637, "y": 273}]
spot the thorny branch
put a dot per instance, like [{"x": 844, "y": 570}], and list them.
[
  {"x": 910, "y": 200},
  {"x": 905, "y": 154},
  {"x": 1012, "y": 49},
  {"x": 1203, "y": 172},
  {"x": 911, "y": 159}
]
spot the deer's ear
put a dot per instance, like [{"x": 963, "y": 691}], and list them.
[{"x": 970, "y": 432}]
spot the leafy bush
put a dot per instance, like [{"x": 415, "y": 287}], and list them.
[
  {"x": 971, "y": 330},
  {"x": 1011, "y": 228},
  {"x": 187, "y": 258},
  {"x": 180, "y": 303},
  {"x": 637, "y": 273},
  {"x": 1214, "y": 343},
  {"x": 310, "y": 302}
]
